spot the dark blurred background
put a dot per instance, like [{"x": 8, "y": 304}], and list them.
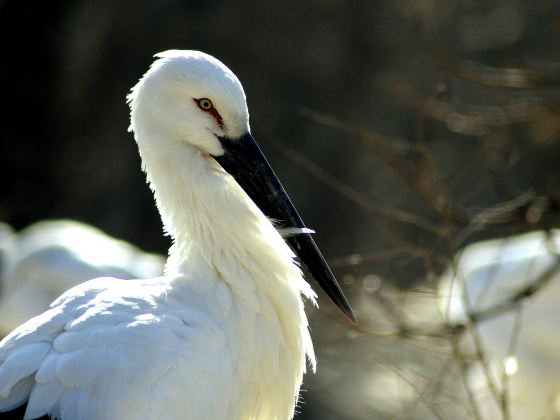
[{"x": 402, "y": 130}]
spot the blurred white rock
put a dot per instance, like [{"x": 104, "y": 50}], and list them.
[
  {"x": 522, "y": 345},
  {"x": 49, "y": 257},
  {"x": 401, "y": 356}
]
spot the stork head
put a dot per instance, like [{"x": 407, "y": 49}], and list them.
[{"x": 190, "y": 97}]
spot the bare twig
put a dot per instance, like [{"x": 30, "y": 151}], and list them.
[
  {"x": 350, "y": 193},
  {"x": 518, "y": 297}
]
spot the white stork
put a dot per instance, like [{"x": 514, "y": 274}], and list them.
[{"x": 223, "y": 334}]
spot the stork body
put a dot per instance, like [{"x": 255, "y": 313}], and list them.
[{"x": 223, "y": 334}]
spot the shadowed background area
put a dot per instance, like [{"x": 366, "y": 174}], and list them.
[{"x": 402, "y": 130}]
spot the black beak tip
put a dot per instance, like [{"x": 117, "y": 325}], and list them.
[
  {"x": 337, "y": 296},
  {"x": 350, "y": 317}
]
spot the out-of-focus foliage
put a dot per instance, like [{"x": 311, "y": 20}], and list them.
[{"x": 403, "y": 131}]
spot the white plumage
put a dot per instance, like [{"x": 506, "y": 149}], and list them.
[{"x": 223, "y": 334}]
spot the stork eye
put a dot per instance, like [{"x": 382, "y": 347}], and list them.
[{"x": 205, "y": 104}]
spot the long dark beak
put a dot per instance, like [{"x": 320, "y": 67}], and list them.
[{"x": 244, "y": 160}]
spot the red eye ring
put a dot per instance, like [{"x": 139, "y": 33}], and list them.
[{"x": 206, "y": 105}]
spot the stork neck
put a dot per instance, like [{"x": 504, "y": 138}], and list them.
[
  {"x": 181, "y": 177},
  {"x": 220, "y": 236},
  {"x": 210, "y": 218}
]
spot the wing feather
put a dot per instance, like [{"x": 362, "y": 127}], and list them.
[
  {"x": 43, "y": 398},
  {"x": 128, "y": 353},
  {"x": 19, "y": 364}
]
